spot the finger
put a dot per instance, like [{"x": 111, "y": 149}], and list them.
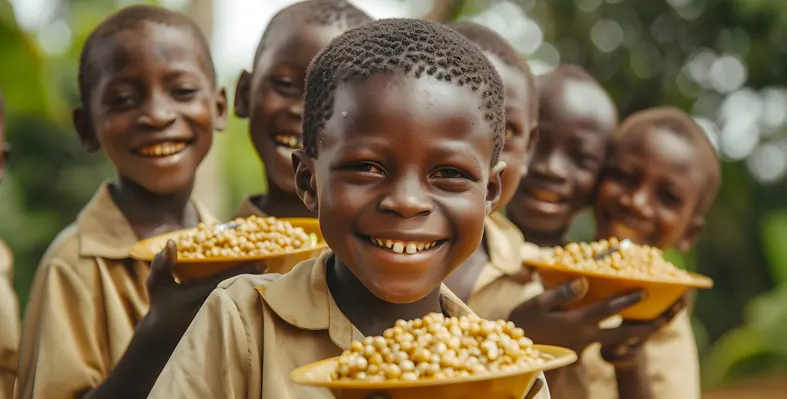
[
  {"x": 674, "y": 310},
  {"x": 535, "y": 389},
  {"x": 629, "y": 334},
  {"x": 562, "y": 295},
  {"x": 610, "y": 307},
  {"x": 161, "y": 267}
]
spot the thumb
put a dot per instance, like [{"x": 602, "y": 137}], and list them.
[
  {"x": 564, "y": 294},
  {"x": 161, "y": 268}
]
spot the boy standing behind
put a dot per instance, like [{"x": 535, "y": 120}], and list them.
[
  {"x": 271, "y": 96},
  {"x": 151, "y": 104}
]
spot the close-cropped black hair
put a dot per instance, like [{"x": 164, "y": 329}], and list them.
[
  {"x": 400, "y": 46},
  {"x": 316, "y": 12},
  {"x": 130, "y": 18},
  {"x": 683, "y": 125},
  {"x": 491, "y": 42}
]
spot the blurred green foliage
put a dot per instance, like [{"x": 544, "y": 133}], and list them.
[{"x": 740, "y": 324}]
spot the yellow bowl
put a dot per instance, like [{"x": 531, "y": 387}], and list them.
[
  {"x": 197, "y": 269},
  {"x": 660, "y": 292},
  {"x": 508, "y": 385}
]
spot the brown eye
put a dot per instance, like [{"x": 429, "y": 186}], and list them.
[{"x": 509, "y": 131}]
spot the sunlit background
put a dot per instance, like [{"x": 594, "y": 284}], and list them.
[{"x": 723, "y": 61}]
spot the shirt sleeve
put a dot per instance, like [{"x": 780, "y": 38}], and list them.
[
  {"x": 214, "y": 357},
  {"x": 61, "y": 353},
  {"x": 673, "y": 362},
  {"x": 9, "y": 337}
]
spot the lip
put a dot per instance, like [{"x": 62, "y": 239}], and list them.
[
  {"x": 401, "y": 236},
  {"x": 544, "y": 200},
  {"x": 162, "y": 148}
]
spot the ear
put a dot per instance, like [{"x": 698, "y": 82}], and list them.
[
  {"x": 305, "y": 181},
  {"x": 243, "y": 95},
  {"x": 85, "y": 131},
  {"x": 691, "y": 235},
  {"x": 220, "y": 122},
  {"x": 494, "y": 186}
]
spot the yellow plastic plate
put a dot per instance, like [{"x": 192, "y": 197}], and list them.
[
  {"x": 197, "y": 269},
  {"x": 660, "y": 292},
  {"x": 508, "y": 385}
]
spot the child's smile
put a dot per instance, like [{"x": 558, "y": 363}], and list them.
[{"x": 403, "y": 166}]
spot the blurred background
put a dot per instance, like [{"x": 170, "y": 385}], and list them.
[{"x": 723, "y": 61}]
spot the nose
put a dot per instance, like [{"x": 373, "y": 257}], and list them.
[
  {"x": 407, "y": 198},
  {"x": 551, "y": 165},
  {"x": 158, "y": 112},
  {"x": 638, "y": 201}
]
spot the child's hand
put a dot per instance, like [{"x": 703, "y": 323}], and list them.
[
  {"x": 545, "y": 323},
  {"x": 625, "y": 353},
  {"x": 173, "y": 305}
]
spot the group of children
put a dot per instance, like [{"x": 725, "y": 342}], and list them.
[{"x": 398, "y": 131}]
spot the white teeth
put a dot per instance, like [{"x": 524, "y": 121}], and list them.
[
  {"x": 287, "y": 140},
  {"x": 162, "y": 149},
  {"x": 399, "y": 247}
]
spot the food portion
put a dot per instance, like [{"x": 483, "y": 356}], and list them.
[
  {"x": 244, "y": 237},
  {"x": 438, "y": 347},
  {"x": 632, "y": 261}
]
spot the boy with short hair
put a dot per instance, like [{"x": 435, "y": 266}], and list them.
[
  {"x": 9, "y": 307},
  {"x": 662, "y": 177},
  {"x": 150, "y": 102},
  {"x": 271, "y": 96},
  {"x": 402, "y": 131}
]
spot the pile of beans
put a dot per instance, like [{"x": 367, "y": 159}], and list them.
[
  {"x": 252, "y": 236},
  {"x": 634, "y": 261},
  {"x": 438, "y": 347}
]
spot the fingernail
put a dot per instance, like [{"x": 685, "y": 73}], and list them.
[{"x": 578, "y": 285}]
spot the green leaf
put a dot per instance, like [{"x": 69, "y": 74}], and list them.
[{"x": 773, "y": 230}]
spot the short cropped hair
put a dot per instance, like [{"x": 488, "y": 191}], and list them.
[
  {"x": 130, "y": 18},
  {"x": 319, "y": 13},
  {"x": 400, "y": 46},
  {"x": 491, "y": 42},
  {"x": 554, "y": 80},
  {"x": 686, "y": 127}
]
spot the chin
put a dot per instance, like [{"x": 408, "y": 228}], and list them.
[{"x": 401, "y": 293}]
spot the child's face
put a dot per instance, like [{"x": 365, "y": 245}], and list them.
[
  {"x": 519, "y": 127},
  {"x": 405, "y": 161},
  {"x": 650, "y": 191},
  {"x": 574, "y": 132},
  {"x": 153, "y": 106},
  {"x": 273, "y": 97}
]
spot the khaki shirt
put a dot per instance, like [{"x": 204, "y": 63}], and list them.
[
  {"x": 254, "y": 330},
  {"x": 671, "y": 354},
  {"x": 9, "y": 324},
  {"x": 247, "y": 208},
  {"x": 86, "y": 301}
]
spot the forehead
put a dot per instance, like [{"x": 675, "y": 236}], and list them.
[
  {"x": 148, "y": 47},
  {"x": 574, "y": 101},
  {"x": 665, "y": 150},
  {"x": 293, "y": 42},
  {"x": 517, "y": 92},
  {"x": 436, "y": 110}
]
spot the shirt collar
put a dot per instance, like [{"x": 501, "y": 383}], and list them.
[
  {"x": 310, "y": 306},
  {"x": 104, "y": 231}
]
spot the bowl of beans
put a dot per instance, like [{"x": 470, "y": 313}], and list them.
[
  {"x": 210, "y": 248},
  {"x": 437, "y": 357},
  {"x": 612, "y": 268}
]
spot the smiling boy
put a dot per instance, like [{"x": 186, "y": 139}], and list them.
[
  {"x": 9, "y": 307},
  {"x": 271, "y": 96},
  {"x": 662, "y": 176},
  {"x": 402, "y": 131},
  {"x": 151, "y": 104}
]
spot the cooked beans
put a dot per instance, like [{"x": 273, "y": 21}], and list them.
[
  {"x": 636, "y": 260},
  {"x": 252, "y": 236},
  {"x": 437, "y": 347}
]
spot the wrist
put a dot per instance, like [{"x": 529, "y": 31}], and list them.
[{"x": 623, "y": 357}]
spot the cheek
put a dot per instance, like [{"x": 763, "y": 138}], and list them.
[
  {"x": 608, "y": 193},
  {"x": 268, "y": 104},
  {"x": 584, "y": 183}
]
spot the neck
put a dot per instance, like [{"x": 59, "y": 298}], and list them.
[
  {"x": 281, "y": 204},
  {"x": 151, "y": 214},
  {"x": 368, "y": 313}
]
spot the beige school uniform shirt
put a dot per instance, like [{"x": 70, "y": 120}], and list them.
[
  {"x": 254, "y": 330},
  {"x": 87, "y": 299},
  {"x": 671, "y": 354},
  {"x": 9, "y": 324}
]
